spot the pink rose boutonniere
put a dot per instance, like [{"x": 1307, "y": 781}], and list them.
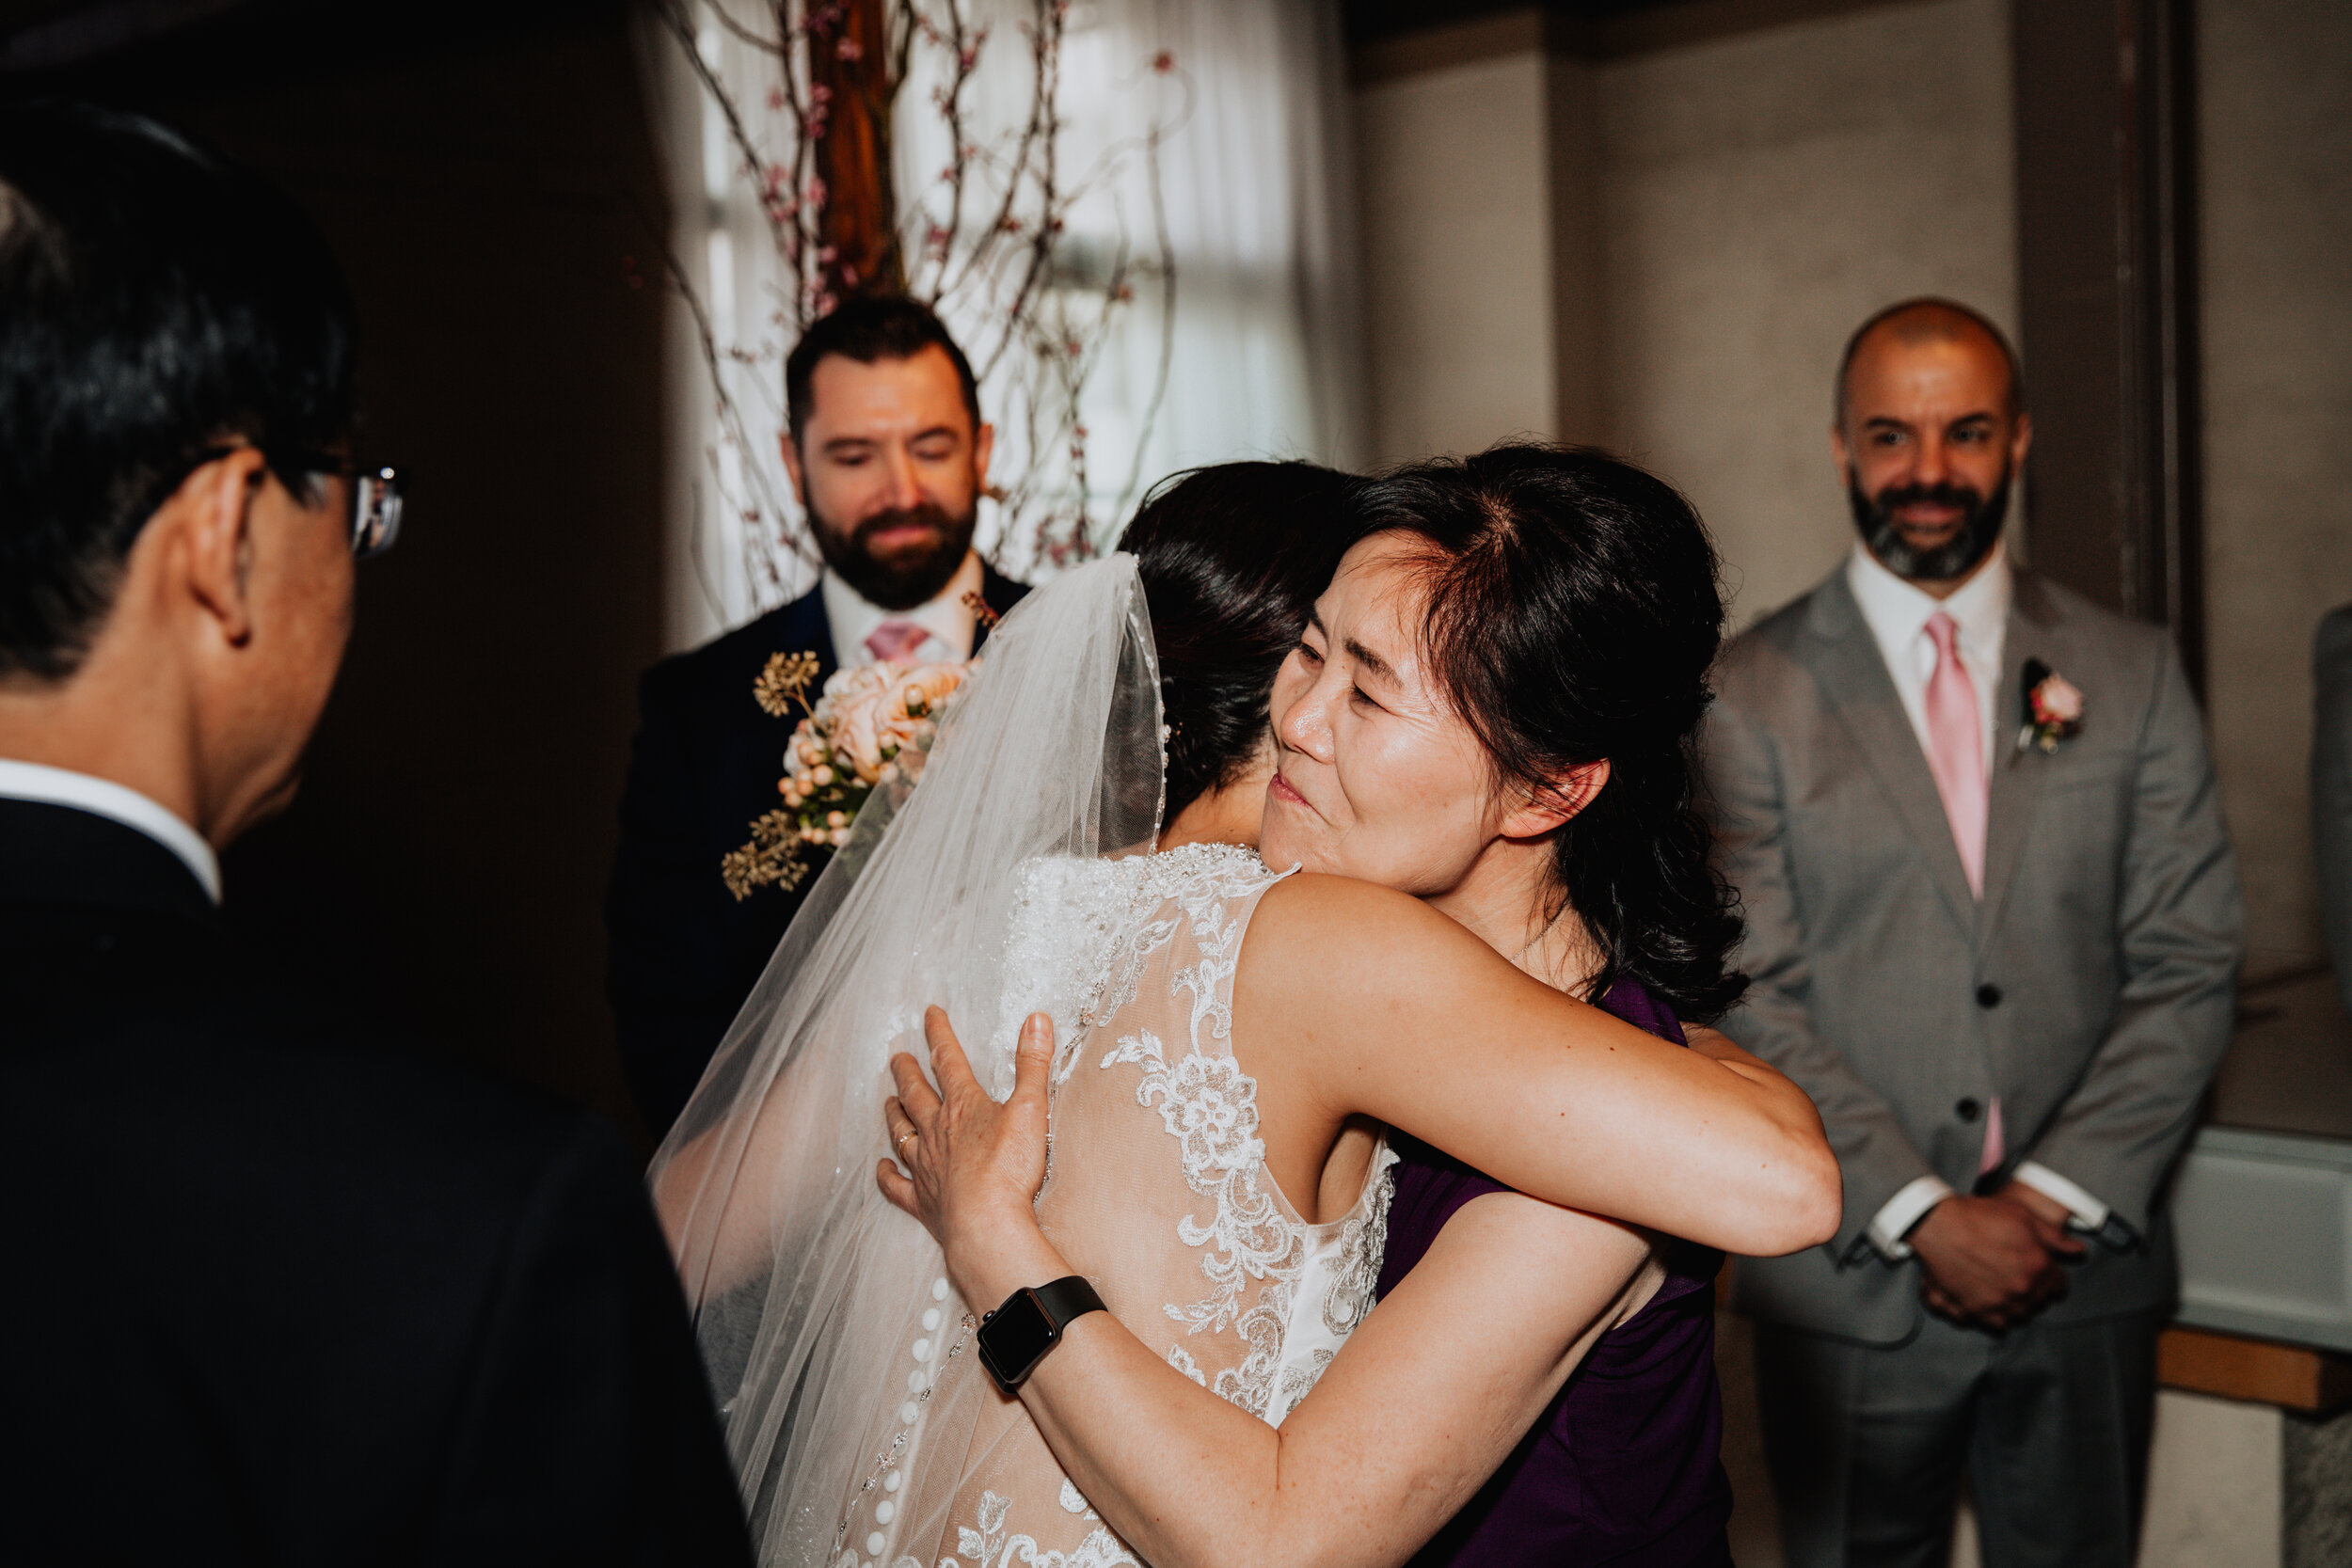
[
  {"x": 2054, "y": 710},
  {"x": 872, "y": 727}
]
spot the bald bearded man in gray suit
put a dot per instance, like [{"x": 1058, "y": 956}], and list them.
[{"x": 1994, "y": 926}]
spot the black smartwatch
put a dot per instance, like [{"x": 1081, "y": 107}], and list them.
[{"x": 1014, "y": 1339}]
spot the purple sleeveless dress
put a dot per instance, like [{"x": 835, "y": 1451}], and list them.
[{"x": 1624, "y": 1466}]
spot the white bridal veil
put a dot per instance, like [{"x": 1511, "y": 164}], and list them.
[{"x": 822, "y": 1312}]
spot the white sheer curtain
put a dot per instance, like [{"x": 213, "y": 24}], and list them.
[{"x": 1256, "y": 206}]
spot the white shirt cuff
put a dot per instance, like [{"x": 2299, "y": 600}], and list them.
[
  {"x": 2089, "y": 1214},
  {"x": 1903, "y": 1211}
]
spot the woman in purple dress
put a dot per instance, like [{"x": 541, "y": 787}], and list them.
[
  {"x": 1624, "y": 1465},
  {"x": 1491, "y": 706}
]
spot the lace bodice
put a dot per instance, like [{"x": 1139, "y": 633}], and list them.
[{"x": 1156, "y": 1190}]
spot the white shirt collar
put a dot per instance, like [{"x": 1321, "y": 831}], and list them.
[
  {"x": 950, "y": 621},
  {"x": 1897, "y": 610},
  {"x": 59, "y": 786}
]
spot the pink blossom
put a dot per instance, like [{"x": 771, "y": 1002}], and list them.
[
  {"x": 848, "y": 49},
  {"x": 2056, "y": 701}
]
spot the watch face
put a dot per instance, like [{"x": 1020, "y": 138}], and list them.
[{"x": 1015, "y": 1336}]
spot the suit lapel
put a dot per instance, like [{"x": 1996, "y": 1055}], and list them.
[
  {"x": 2015, "y": 790},
  {"x": 1000, "y": 593},
  {"x": 1853, "y": 677}
]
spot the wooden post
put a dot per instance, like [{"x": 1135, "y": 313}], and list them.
[
  {"x": 850, "y": 60},
  {"x": 2106, "y": 301}
]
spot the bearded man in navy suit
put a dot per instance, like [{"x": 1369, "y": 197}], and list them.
[{"x": 889, "y": 456}]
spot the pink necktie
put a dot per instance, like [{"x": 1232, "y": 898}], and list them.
[
  {"x": 1956, "y": 748},
  {"x": 895, "y": 640},
  {"x": 1993, "y": 1143},
  {"x": 1956, "y": 757}
]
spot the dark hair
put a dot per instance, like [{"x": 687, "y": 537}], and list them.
[
  {"x": 1231, "y": 559},
  {"x": 1573, "y": 613},
  {"x": 153, "y": 301},
  {"x": 872, "y": 327},
  {"x": 1926, "y": 306}
]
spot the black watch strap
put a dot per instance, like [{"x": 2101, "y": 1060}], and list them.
[
  {"x": 1067, "y": 1299},
  {"x": 1014, "y": 1339}
]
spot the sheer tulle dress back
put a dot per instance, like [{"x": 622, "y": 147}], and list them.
[
  {"x": 1157, "y": 1191},
  {"x": 1017, "y": 877}
]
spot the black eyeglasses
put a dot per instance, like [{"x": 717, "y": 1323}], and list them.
[
  {"x": 375, "y": 492},
  {"x": 376, "y": 498}
]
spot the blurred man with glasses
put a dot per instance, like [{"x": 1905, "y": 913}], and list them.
[{"x": 280, "y": 1296}]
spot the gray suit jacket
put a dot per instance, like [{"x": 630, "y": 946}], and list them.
[
  {"x": 2092, "y": 988},
  {"x": 2332, "y": 787}
]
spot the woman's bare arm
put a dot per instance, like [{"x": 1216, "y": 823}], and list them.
[
  {"x": 1384, "y": 1007},
  {"x": 1429, "y": 1395}
]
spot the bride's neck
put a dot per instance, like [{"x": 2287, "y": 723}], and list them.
[
  {"x": 1228, "y": 815},
  {"x": 1510, "y": 900}
]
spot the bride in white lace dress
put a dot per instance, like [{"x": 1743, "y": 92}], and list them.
[{"x": 1020, "y": 879}]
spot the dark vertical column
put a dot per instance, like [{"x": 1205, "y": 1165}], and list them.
[
  {"x": 849, "y": 56},
  {"x": 2106, "y": 247}
]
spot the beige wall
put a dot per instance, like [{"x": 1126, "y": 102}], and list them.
[
  {"x": 2275, "y": 78},
  {"x": 1665, "y": 254},
  {"x": 1763, "y": 194},
  {"x": 1453, "y": 170}
]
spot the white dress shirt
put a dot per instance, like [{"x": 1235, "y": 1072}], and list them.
[
  {"x": 58, "y": 786},
  {"x": 1897, "y": 614},
  {"x": 949, "y": 620}
]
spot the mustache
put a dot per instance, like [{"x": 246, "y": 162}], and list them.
[
  {"x": 1943, "y": 493},
  {"x": 930, "y": 514}
]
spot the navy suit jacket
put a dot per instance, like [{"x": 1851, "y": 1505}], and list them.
[
  {"x": 685, "y": 953},
  {"x": 283, "y": 1297}
]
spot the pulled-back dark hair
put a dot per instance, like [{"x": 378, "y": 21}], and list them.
[
  {"x": 1231, "y": 557},
  {"x": 1573, "y": 613},
  {"x": 153, "y": 301},
  {"x": 866, "y": 329}
]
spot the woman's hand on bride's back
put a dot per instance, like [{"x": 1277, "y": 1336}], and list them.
[{"x": 976, "y": 1165}]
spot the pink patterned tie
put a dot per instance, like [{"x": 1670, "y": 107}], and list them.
[
  {"x": 1956, "y": 748},
  {"x": 1956, "y": 757},
  {"x": 895, "y": 640}
]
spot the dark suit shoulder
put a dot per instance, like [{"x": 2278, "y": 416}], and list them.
[
  {"x": 176, "y": 1051},
  {"x": 727, "y": 665},
  {"x": 1001, "y": 592}
]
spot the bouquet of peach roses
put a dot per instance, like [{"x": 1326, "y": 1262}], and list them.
[{"x": 870, "y": 729}]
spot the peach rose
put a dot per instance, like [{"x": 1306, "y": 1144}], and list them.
[{"x": 908, "y": 710}]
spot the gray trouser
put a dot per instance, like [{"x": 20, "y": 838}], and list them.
[{"x": 2050, "y": 1421}]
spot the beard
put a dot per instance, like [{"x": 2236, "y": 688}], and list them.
[
  {"x": 1981, "y": 521},
  {"x": 907, "y": 575}
]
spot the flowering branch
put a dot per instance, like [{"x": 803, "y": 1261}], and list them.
[{"x": 986, "y": 243}]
